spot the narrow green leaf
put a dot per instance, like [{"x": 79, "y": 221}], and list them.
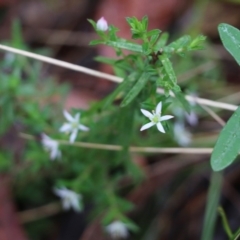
[
  {"x": 230, "y": 37},
  {"x": 210, "y": 215},
  {"x": 125, "y": 45},
  {"x": 17, "y": 39},
  {"x": 236, "y": 235},
  {"x": 122, "y": 88},
  {"x": 181, "y": 98},
  {"x": 227, "y": 147},
  {"x": 96, "y": 42},
  {"x": 92, "y": 23},
  {"x": 179, "y": 43},
  {"x": 197, "y": 43},
  {"x": 136, "y": 89},
  {"x": 136, "y": 35},
  {"x": 153, "y": 32},
  {"x": 167, "y": 65},
  {"x": 106, "y": 60},
  {"x": 145, "y": 23},
  {"x": 161, "y": 41},
  {"x": 225, "y": 223},
  {"x": 145, "y": 47}
]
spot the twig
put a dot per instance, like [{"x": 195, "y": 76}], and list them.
[
  {"x": 62, "y": 64},
  {"x": 39, "y": 213},
  {"x": 131, "y": 149},
  {"x": 195, "y": 71},
  {"x": 214, "y": 115},
  {"x": 111, "y": 77}
]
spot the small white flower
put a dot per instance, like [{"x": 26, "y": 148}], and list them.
[
  {"x": 117, "y": 229},
  {"x": 72, "y": 126},
  {"x": 51, "y": 146},
  {"x": 69, "y": 198},
  {"x": 181, "y": 135},
  {"x": 102, "y": 24},
  {"x": 155, "y": 118}
]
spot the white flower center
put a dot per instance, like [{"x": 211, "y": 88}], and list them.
[
  {"x": 74, "y": 124},
  {"x": 156, "y": 118}
]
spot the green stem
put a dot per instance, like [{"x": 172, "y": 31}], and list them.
[
  {"x": 225, "y": 223},
  {"x": 214, "y": 192}
]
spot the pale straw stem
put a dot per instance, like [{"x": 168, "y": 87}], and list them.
[
  {"x": 214, "y": 115},
  {"x": 111, "y": 77},
  {"x": 131, "y": 149}
]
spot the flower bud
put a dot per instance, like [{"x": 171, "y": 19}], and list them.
[{"x": 102, "y": 24}]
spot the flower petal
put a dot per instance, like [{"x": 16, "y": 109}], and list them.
[
  {"x": 159, "y": 108},
  {"x": 76, "y": 117},
  {"x": 166, "y": 117},
  {"x": 160, "y": 127},
  {"x": 146, "y": 113},
  {"x": 66, "y": 127},
  {"x": 66, "y": 204},
  {"x": 75, "y": 203},
  {"x": 60, "y": 192},
  {"x": 73, "y": 135},
  {"x": 146, "y": 126},
  {"x": 68, "y": 116},
  {"x": 83, "y": 128}
]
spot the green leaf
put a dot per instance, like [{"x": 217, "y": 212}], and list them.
[
  {"x": 145, "y": 23},
  {"x": 161, "y": 41},
  {"x": 145, "y": 47},
  {"x": 227, "y": 147},
  {"x": 17, "y": 39},
  {"x": 210, "y": 215},
  {"x": 153, "y": 32},
  {"x": 197, "y": 43},
  {"x": 123, "y": 87},
  {"x": 125, "y": 45},
  {"x": 167, "y": 65},
  {"x": 236, "y": 235},
  {"x": 179, "y": 44},
  {"x": 230, "y": 37},
  {"x": 96, "y": 42},
  {"x": 106, "y": 60},
  {"x": 181, "y": 98},
  {"x": 92, "y": 23},
  {"x": 136, "y": 35},
  {"x": 136, "y": 89},
  {"x": 112, "y": 31}
]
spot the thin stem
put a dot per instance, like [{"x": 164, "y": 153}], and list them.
[
  {"x": 214, "y": 192},
  {"x": 225, "y": 222},
  {"x": 214, "y": 115},
  {"x": 39, "y": 213},
  {"x": 131, "y": 149},
  {"x": 110, "y": 77},
  {"x": 62, "y": 64}
]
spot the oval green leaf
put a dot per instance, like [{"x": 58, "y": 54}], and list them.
[
  {"x": 228, "y": 144},
  {"x": 230, "y": 37}
]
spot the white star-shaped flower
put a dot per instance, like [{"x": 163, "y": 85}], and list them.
[
  {"x": 117, "y": 229},
  {"x": 69, "y": 198},
  {"x": 155, "y": 118},
  {"x": 102, "y": 24},
  {"x": 72, "y": 126},
  {"x": 51, "y": 146}
]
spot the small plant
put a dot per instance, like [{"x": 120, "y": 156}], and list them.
[{"x": 91, "y": 150}]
